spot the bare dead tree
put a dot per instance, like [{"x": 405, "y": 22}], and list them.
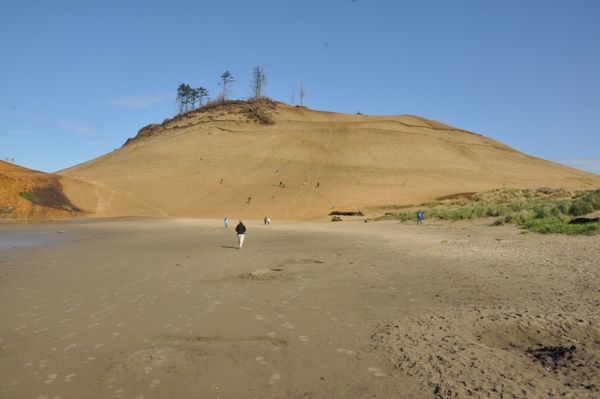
[
  {"x": 258, "y": 82},
  {"x": 302, "y": 94}
]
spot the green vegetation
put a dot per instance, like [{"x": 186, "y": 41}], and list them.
[
  {"x": 28, "y": 196},
  {"x": 532, "y": 214}
]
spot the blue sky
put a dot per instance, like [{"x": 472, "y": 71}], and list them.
[{"x": 77, "y": 78}]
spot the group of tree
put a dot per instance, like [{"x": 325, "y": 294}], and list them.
[{"x": 189, "y": 98}]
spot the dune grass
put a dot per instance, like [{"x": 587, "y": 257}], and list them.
[
  {"x": 28, "y": 196},
  {"x": 535, "y": 215}
]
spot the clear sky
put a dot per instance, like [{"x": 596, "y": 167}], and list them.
[{"x": 77, "y": 78}]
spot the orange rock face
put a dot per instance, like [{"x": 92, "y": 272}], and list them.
[{"x": 29, "y": 194}]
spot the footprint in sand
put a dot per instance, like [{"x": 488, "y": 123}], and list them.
[
  {"x": 50, "y": 378},
  {"x": 304, "y": 338},
  {"x": 274, "y": 378},
  {"x": 258, "y": 317},
  {"x": 154, "y": 383},
  {"x": 261, "y": 360},
  {"x": 376, "y": 372}
]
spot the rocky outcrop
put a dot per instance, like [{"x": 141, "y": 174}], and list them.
[
  {"x": 29, "y": 194},
  {"x": 342, "y": 213}
]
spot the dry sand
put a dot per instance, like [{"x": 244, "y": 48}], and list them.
[{"x": 145, "y": 308}]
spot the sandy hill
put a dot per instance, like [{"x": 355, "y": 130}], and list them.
[{"x": 210, "y": 162}]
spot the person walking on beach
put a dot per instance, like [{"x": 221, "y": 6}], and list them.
[
  {"x": 226, "y": 222},
  {"x": 240, "y": 229},
  {"x": 419, "y": 217},
  {"x": 265, "y": 219}
]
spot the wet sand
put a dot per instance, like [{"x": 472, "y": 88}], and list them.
[{"x": 155, "y": 308}]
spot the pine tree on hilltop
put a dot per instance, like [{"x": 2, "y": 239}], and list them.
[{"x": 227, "y": 80}]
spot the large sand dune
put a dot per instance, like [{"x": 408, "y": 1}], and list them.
[{"x": 208, "y": 163}]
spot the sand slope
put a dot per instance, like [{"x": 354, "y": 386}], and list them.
[{"x": 360, "y": 162}]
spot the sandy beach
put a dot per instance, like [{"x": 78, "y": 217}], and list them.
[{"x": 170, "y": 308}]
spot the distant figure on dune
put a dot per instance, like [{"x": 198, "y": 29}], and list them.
[
  {"x": 265, "y": 220},
  {"x": 318, "y": 184},
  {"x": 240, "y": 229},
  {"x": 419, "y": 217},
  {"x": 249, "y": 199},
  {"x": 226, "y": 222},
  {"x": 268, "y": 220},
  {"x": 221, "y": 180}
]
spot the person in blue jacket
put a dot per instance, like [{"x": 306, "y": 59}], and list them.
[
  {"x": 419, "y": 217},
  {"x": 226, "y": 222}
]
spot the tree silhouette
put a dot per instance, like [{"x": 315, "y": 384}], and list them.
[
  {"x": 227, "y": 81},
  {"x": 302, "y": 94},
  {"x": 202, "y": 94},
  {"x": 182, "y": 101},
  {"x": 258, "y": 82}
]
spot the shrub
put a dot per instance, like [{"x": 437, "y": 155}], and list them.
[
  {"x": 28, "y": 196},
  {"x": 537, "y": 215}
]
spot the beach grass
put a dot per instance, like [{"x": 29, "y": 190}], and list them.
[
  {"x": 544, "y": 216},
  {"x": 28, "y": 196}
]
